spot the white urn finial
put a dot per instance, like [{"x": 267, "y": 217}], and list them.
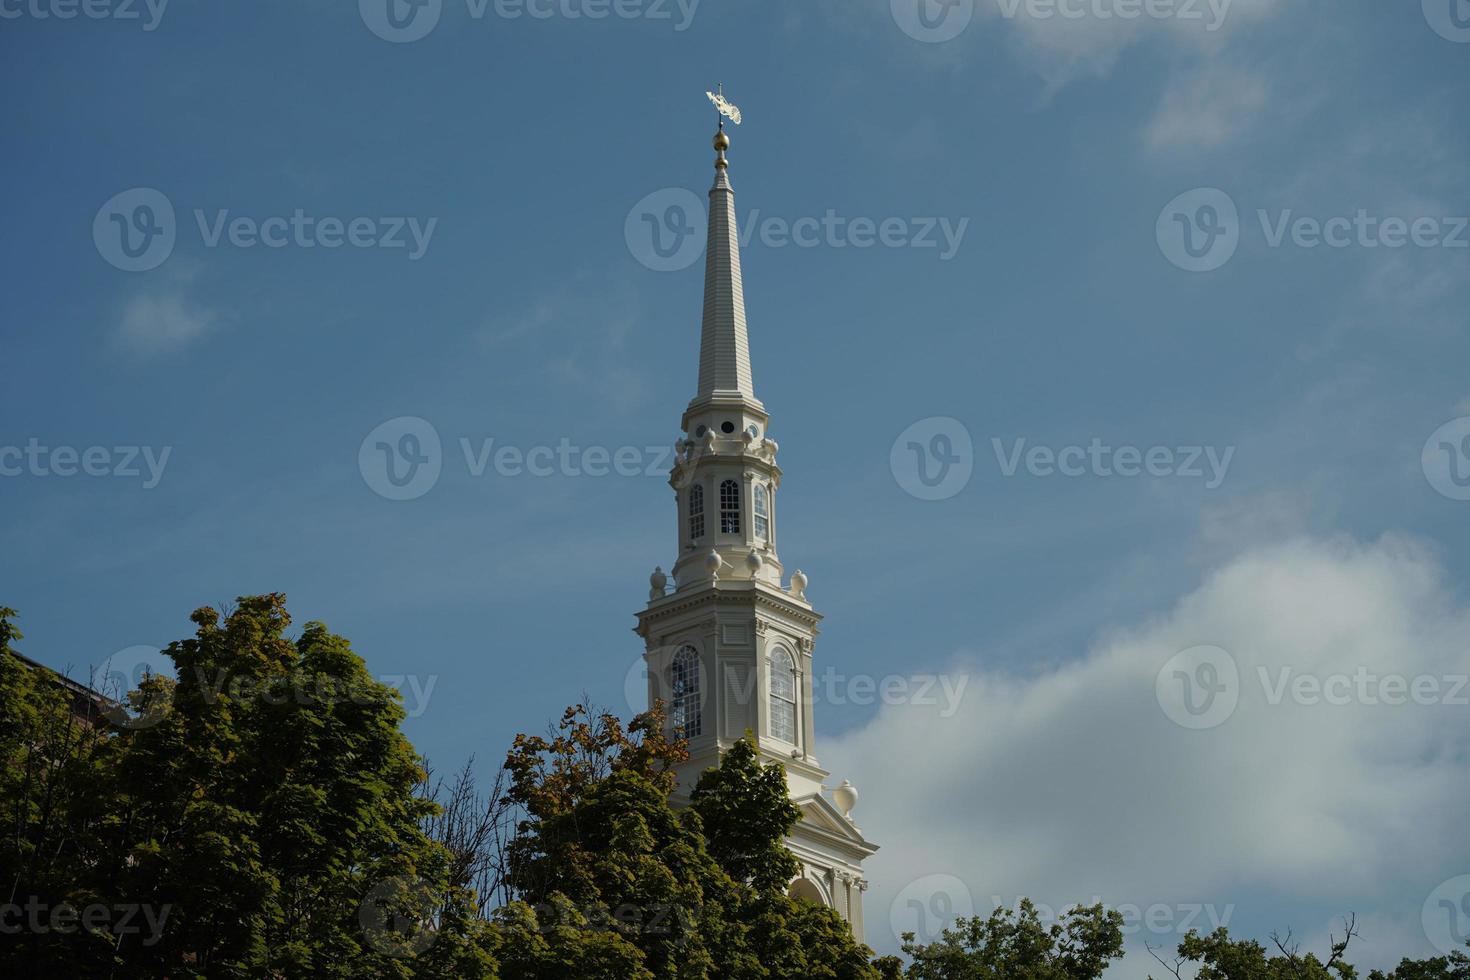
[
  {"x": 657, "y": 582},
  {"x": 755, "y": 561},
  {"x": 798, "y": 584},
  {"x": 846, "y": 797},
  {"x": 712, "y": 563}
]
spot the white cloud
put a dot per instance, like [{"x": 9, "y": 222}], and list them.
[
  {"x": 1072, "y": 784},
  {"x": 161, "y": 321},
  {"x": 1207, "y": 108},
  {"x": 1068, "y": 39}
]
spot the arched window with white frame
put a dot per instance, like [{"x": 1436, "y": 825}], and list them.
[
  {"x": 696, "y": 512},
  {"x": 783, "y": 695},
  {"x": 762, "y": 512},
  {"x": 730, "y": 507},
  {"x": 684, "y": 707}
]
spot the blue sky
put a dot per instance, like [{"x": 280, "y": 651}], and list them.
[{"x": 1060, "y": 145}]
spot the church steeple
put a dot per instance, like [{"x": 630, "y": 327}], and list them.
[
  {"x": 729, "y": 649},
  {"x": 724, "y": 343}
]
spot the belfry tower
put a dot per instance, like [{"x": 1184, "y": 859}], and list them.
[{"x": 729, "y": 648}]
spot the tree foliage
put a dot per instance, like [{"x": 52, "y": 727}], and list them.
[
  {"x": 1017, "y": 945},
  {"x": 264, "y": 816},
  {"x": 1218, "y": 957},
  {"x": 267, "y": 811},
  {"x": 245, "y": 824},
  {"x": 747, "y": 813}
]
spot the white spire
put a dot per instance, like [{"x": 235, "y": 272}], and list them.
[{"x": 724, "y": 345}]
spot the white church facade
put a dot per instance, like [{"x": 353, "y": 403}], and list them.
[{"x": 729, "y": 648}]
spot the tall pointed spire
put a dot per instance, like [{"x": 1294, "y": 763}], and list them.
[
  {"x": 730, "y": 651},
  {"x": 724, "y": 345}
]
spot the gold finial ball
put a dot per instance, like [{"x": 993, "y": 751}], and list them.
[{"x": 722, "y": 142}]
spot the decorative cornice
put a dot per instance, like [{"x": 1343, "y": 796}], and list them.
[{"x": 746, "y": 593}]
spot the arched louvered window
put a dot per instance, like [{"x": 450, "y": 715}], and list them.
[
  {"x": 730, "y": 507},
  {"x": 762, "y": 512},
  {"x": 783, "y": 695},
  {"x": 684, "y": 711},
  {"x": 696, "y": 512}
]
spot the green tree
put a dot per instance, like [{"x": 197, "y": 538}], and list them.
[
  {"x": 259, "y": 818},
  {"x": 1016, "y": 945},
  {"x": 1218, "y": 957},
  {"x": 1456, "y": 966},
  {"x": 600, "y": 853},
  {"x": 747, "y": 813},
  {"x": 52, "y": 798}
]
